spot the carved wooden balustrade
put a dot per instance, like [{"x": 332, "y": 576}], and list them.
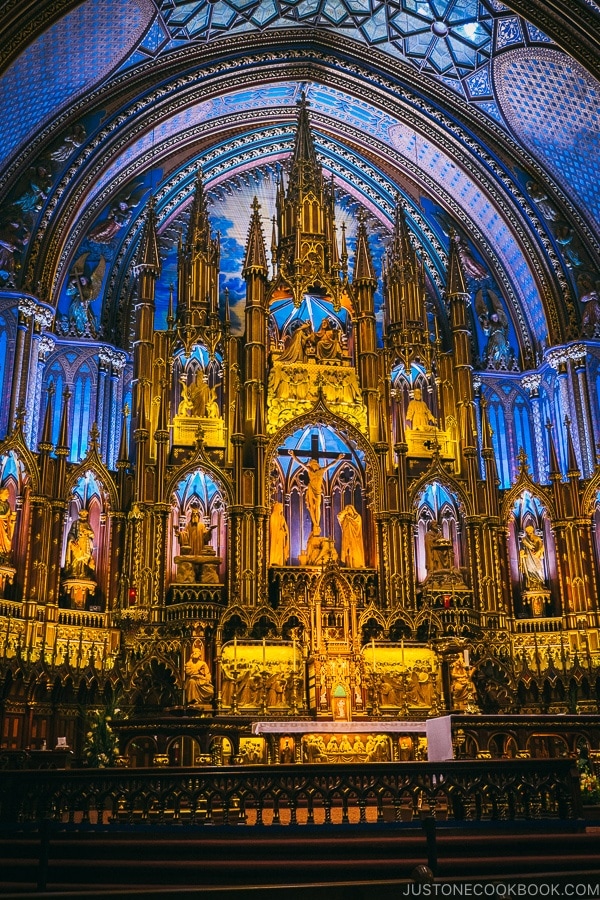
[{"x": 296, "y": 795}]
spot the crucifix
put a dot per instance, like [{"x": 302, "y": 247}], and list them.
[{"x": 316, "y": 473}]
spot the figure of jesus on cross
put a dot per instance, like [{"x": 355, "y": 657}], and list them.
[{"x": 316, "y": 473}]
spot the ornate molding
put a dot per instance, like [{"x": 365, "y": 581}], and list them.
[
  {"x": 424, "y": 109},
  {"x": 32, "y": 309}
]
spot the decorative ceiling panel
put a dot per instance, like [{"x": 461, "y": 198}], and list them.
[
  {"x": 72, "y": 56},
  {"x": 553, "y": 107}
]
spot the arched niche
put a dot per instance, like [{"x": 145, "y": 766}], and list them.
[
  {"x": 286, "y": 318},
  {"x": 198, "y": 497},
  {"x": 343, "y": 484},
  {"x": 529, "y": 522},
  {"x": 438, "y": 506},
  {"x": 197, "y": 383},
  {"x": 89, "y": 503},
  {"x": 14, "y": 522},
  {"x": 404, "y": 383}
]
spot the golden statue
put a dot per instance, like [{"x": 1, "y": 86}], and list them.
[
  {"x": 531, "y": 560},
  {"x": 431, "y": 560},
  {"x": 7, "y": 526},
  {"x": 329, "y": 346},
  {"x": 314, "y": 491},
  {"x": 460, "y": 684},
  {"x": 320, "y": 550},
  {"x": 198, "y": 684},
  {"x": 295, "y": 352},
  {"x": 186, "y": 407},
  {"x": 79, "y": 559},
  {"x": 353, "y": 551},
  {"x": 212, "y": 403},
  {"x": 279, "y": 536},
  {"x": 199, "y": 395},
  {"x": 197, "y": 533},
  {"x": 418, "y": 413}
]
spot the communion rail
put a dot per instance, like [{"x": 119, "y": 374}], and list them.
[{"x": 463, "y": 792}]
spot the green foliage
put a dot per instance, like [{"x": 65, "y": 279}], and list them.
[{"x": 101, "y": 746}]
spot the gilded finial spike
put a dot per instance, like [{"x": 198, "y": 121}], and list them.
[{"x": 523, "y": 461}]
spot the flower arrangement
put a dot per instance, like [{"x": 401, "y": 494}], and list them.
[
  {"x": 101, "y": 747},
  {"x": 590, "y": 787}
]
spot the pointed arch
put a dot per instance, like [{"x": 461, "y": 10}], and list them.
[
  {"x": 15, "y": 443},
  {"x": 200, "y": 461},
  {"x": 320, "y": 414},
  {"x": 92, "y": 463},
  {"x": 589, "y": 500},
  {"x": 437, "y": 472},
  {"x": 526, "y": 483}
]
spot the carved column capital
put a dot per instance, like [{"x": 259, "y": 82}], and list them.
[{"x": 532, "y": 383}]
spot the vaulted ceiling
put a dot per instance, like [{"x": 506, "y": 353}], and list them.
[{"x": 471, "y": 115}]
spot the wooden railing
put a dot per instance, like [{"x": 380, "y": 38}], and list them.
[{"x": 295, "y": 795}]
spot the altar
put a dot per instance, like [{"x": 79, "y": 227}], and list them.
[{"x": 337, "y": 741}]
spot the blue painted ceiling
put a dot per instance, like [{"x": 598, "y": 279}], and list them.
[{"x": 464, "y": 110}]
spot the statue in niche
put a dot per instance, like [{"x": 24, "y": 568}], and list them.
[
  {"x": 565, "y": 235},
  {"x": 186, "y": 406},
  {"x": 439, "y": 560},
  {"x": 73, "y": 139},
  {"x": 461, "y": 684},
  {"x": 296, "y": 350},
  {"x": 7, "y": 527},
  {"x": 79, "y": 559},
  {"x": 432, "y": 560},
  {"x": 198, "y": 684},
  {"x": 498, "y": 353},
  {"x": 590, "y": 320},
  {"x": 120, "y": 215},
  {"x": 314, "y": 491},
  {"x": 531, "y": 560},
  {"x": 212, "y": 404},
  {"x": 329, "y": 347},
  {"x": 279, "y": 536},
  {"x": 82, "y": 290},
  {"x": 353, "y": 551},
  {"x": 472, "y": 269},
  {"x": 197, "y": 532},
  {"x": 199, "y": 394},
  {"x": 540, "y": 198},
  {"x": 418, "y": 415}
]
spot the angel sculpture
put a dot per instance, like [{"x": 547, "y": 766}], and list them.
[
  {"x": 498, "y": 353},
  {"x": 82, "y": 291},
  {"x": 472, "y": 268},
  {"x": 119, "y": 215}
]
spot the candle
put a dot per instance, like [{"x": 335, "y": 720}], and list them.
[
  {"x": 402, "y": 649},
  {"x": 373, "y": 651},
  {"x": 235, "y": 648},
  {"x": 294, "y": 657},
  {"x": 466, "y": 658},
  {"x": 264, "y": 650}
]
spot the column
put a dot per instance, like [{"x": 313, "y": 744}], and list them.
[
  {"x": 558, "y": 359},
  {"x": 103, "y": 367},
  {"x": 15, "y": 394},
  {"x": 532, "y": 383},
  {"x": 578, "y": 354},
  {"x": 118, "y": 362}
]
